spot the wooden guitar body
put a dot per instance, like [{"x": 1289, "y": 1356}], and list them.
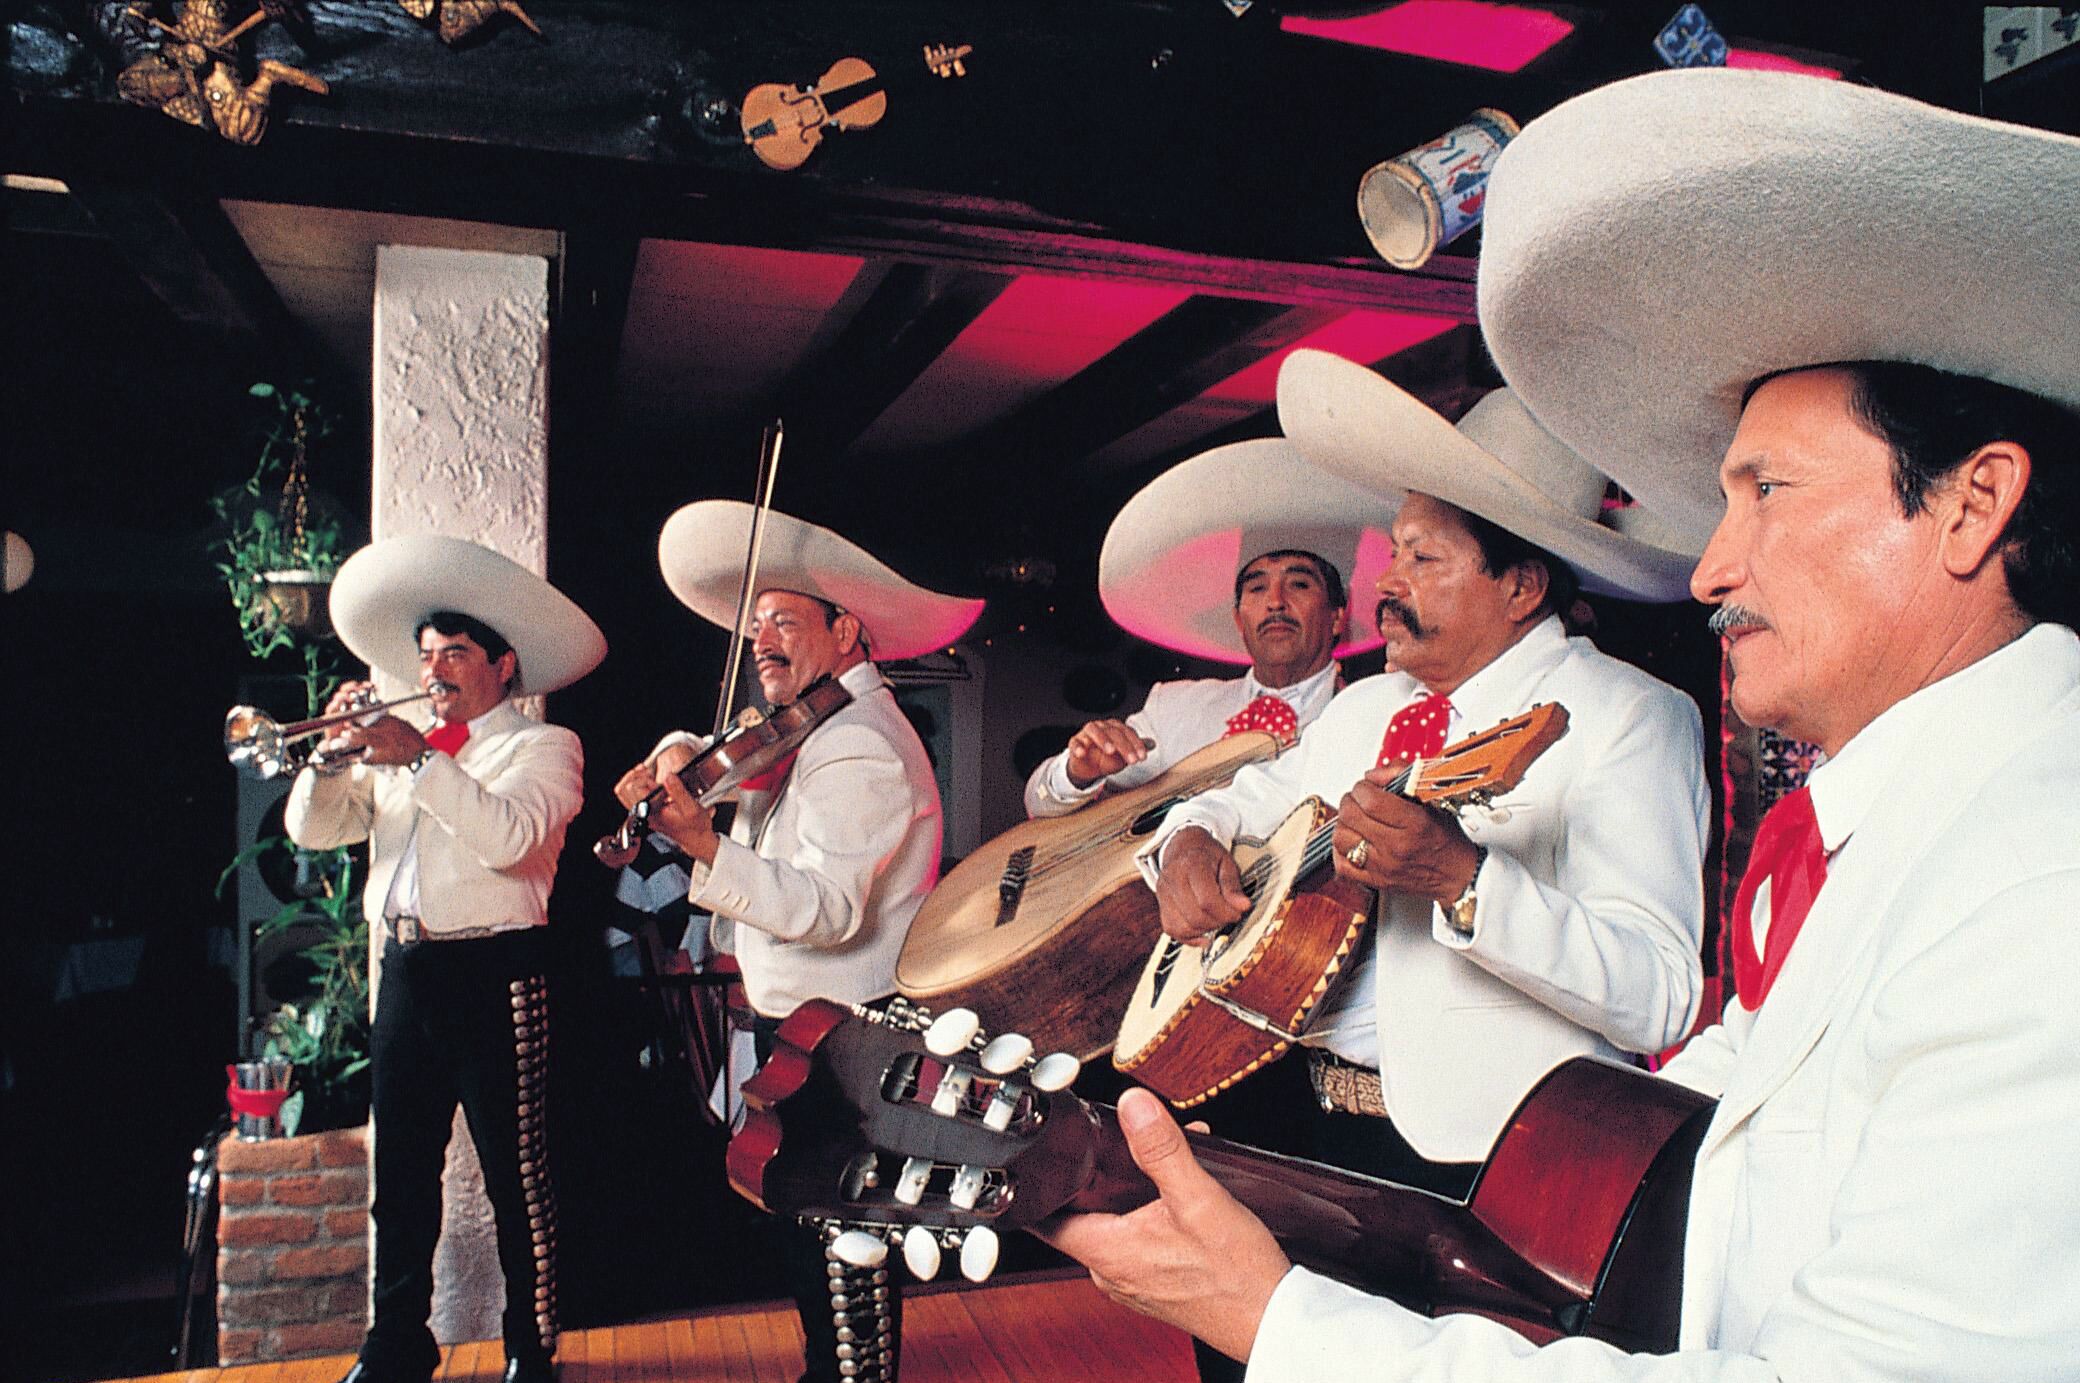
[
  {"x": 1574, "y": 1225},
  {"x": 1202, "y": 1018},
  {"x": 1045, "y": 928}
]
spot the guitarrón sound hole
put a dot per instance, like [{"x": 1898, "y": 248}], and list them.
[{"x": 1167, "y": 962}]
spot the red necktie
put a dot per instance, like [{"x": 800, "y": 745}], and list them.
[
  {"x": 772, "y": 778},
  {"x": 1267, "y": 712},
  {"x": 1416, "y": 731},
  {"x": 448, "y": 738},
  {"x": 1789, "y": 854}
]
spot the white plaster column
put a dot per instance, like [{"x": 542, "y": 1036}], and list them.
[{"x": 461, "y": 448}]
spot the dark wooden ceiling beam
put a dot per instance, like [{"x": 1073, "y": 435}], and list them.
[
  {"x": 912, "y": 313},
  {"x": 188, "y": 253},
  {"x": 1173, "y": 360}
]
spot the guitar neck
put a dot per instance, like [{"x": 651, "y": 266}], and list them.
[{"x": 1430, "y": 1253}]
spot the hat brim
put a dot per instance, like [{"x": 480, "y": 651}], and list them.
[
  {"x": 383, "y": 593},
  {"x": 1359, "y": 425},
  {"x": 1167, "y": 570},
  {"x": 1653, "y": 247},
  {"x": 701, "y": 553}
]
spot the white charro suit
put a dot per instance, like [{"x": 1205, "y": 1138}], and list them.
[
  {"x": 1887, "y": 1190},
  {"x": 490, "y": 822},
  {"x": 1585, "y": 937}
]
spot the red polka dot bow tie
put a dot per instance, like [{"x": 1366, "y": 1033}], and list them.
[
  {"x": 1416, "y": 731},
  {"x": 1267, "y": 712},
  {"x": 448, "y": 738},
  {"x": 1786, "y": 867}
]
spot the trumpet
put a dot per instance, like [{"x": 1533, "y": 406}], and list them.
[{"x": 258, "y": 745}]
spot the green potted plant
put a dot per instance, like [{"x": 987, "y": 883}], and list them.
[{"x": 278, "y": 559}]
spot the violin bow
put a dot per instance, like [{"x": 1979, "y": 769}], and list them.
[{"x": 761, "y": 505}]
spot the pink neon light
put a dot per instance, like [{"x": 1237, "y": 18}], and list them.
[
  {"x": 1362, "y": 336},
  {"x": 1052, "y": 327},
  {"x": 1777, "y": 62},
  {"x": 1501, "y": 38}
]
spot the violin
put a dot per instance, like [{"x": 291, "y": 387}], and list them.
[
  {"x": 784, "y": 123},
  {"x": 748, "y": 748}
]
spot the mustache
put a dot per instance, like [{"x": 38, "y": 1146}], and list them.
[
  {"x": 440, "y": 688},
  {"x": 1388, "y": 605},
  {"x": 771, "y": 660},
  {"x": 1282, "y": 621},
  {"x": 1728, "y": 618}
]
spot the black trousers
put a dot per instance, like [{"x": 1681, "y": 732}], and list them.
[
  {"x": 461, "y": 1022},
  {"x": 817, "y": 1293},
  {"x": 1276, "y": 1109}
]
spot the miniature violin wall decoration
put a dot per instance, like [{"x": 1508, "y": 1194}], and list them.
[{"x": 784, "y": 123}]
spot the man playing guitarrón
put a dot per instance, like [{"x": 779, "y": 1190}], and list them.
[
  {"x": 1286, "y": 533},
  {"x": 1885, "y": 1191},
  {"x": 1566, "y": 924},
  {"x": 832, "y": 850}
]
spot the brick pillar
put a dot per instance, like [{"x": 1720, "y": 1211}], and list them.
[{"x": 292, "y": 1246}]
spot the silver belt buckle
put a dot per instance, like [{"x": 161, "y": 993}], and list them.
[{"x": 406, "y": 930}]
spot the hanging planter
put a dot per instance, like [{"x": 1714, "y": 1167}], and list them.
[{"x": 297, "y": 598}]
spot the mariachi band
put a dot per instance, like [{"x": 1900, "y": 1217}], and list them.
[{"x": 1447, "y": 910}]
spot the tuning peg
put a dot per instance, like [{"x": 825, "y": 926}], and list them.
[
  {"x": 860, "y": 1249},
  {"x": 909, "y": 1187},
  {"x": 951, "y": 1032},
  {"x": 979, "y": 1253},
  {"x": 1006, "y": 1053},
  {"x": 921, "y": 1253},
  {"x": 1002, "y": 1105},
  {"x": 1498, "y": 816},
  {"x": 946, "y": 1100},
  {"x": 1055, "y": 1071},
  {"x": 967, "y": 1186}
]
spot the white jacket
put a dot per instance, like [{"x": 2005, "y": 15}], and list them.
[
  {"x": 490, "y": 822},
  {"x": 1890, "y": 1188},
  {"x": 1591, "y": 902}
]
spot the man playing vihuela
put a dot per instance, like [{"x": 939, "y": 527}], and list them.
[
  {"x": 1877, "y": 401},
  {"x": 464, "y": 815},
  {"x": 833, "y": 849},
  {"x": 1568, "y": 921},
  {"x": 1239, "y": 554}
]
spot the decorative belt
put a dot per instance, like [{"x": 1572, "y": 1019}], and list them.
[
  {"x": 410, "y": 931},
  {"x": 1343, "y": 1087}
]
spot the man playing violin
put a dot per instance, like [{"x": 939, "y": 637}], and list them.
[
  {"x": 465, "y": 818},
  {"x": 833, "y": 848},
  {"x": 1287, "y": 613}
]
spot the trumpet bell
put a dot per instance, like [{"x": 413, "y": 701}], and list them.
[{"x": 253, "y": 743}]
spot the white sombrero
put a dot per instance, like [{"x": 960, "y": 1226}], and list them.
[
  {"x": 1498, "y": 463},
  {"x": 1167, "y": 570},
  {"x": 1655, "y": 246},
  {"x": 384, "y": 592},
  {"x": 702, "y": 554}
]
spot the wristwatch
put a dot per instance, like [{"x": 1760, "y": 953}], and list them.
[{"x": 1458, "y": 915}]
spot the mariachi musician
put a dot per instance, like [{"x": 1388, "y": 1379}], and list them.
[
  {"x": 1241, "y": 553},
  {"x": 1503, "y": 944},
  {"x": 464, "y": 817},
  {"x": 834, "y": 848}
]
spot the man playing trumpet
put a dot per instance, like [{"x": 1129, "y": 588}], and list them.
[{"x": 464, "y": 820}]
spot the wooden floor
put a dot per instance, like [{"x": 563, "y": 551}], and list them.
[{"x": 1046, "y": 1330}]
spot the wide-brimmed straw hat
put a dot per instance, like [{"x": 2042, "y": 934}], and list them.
[
  {"x": 1498, "y": 463},
  {"x": 1655, "y": 246},
  {"x": 384, "y": 592},
  {"x": 1167, "y": 570},
  {"x": 701, "y": 552}
]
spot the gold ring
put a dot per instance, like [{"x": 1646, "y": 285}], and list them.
[{"x": 1357, "y": 853}]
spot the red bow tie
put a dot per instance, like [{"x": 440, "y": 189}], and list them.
[
  {"x": 1267, "y": 712},
  {"x": 1416, "y": 731},
  {"x": 1790, "y": 859},
  {"x": 448, "y": 738}
]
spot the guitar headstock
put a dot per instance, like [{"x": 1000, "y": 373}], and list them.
[
  {"x": 895, "y": 1129},
  {"x": 945, "y": 59},
  {"x": 1480, "y": 768}
]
